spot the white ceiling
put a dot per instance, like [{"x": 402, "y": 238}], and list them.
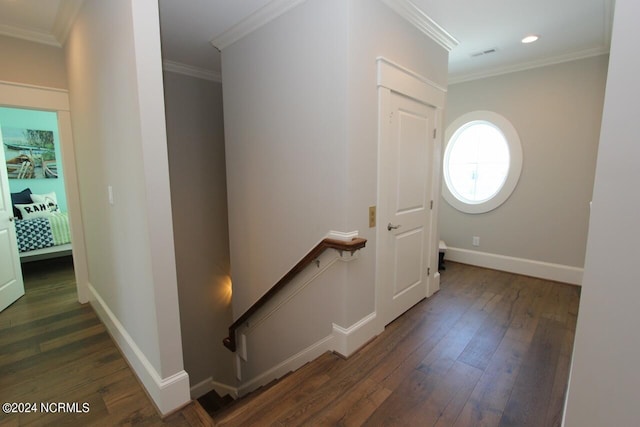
[
  {"x": 189, "y": 25},
  {"x": 569, "y": 29}
]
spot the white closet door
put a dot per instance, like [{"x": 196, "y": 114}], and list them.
[{"x": 405, "y": 216}]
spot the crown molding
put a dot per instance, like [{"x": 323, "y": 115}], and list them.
[
  {"x": 189, "y": 70},
  {"x": 411, "y": 73},
  {"x": 422, "y": 22},
  {"x": 29, "y": 35},
  {"x": 573, "y": 56},
  {"x": 266, "y": 14},
  {"x": 28, "y": 86},
  {"x": 276, "y": 8},
  {"x": 67, "y": 13}
]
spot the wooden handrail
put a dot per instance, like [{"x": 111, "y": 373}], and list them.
[{"x": 340, "y": 245}]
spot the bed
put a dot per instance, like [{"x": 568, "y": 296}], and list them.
[
  {"x": 43, "y": 237},
  {"x": 42, "y": 230}
]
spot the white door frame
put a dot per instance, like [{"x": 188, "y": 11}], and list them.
[
  {"x": 17, "y": 95},
  {"x": 395, "y": 78}
]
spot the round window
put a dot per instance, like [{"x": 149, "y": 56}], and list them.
[{"x": 482, "y": 162}]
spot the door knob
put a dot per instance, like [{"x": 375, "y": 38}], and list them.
[
  {"x": 393, "y": 227},
  {"x": 11, "y": 218}
]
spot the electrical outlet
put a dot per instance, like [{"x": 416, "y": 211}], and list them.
[
  {"x": 372, "y": 216},
  {"x": 476, "y": 241}
]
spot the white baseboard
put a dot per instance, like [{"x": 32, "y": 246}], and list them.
[
  {"x": 205, "y": 386},
  {"x": 344, "y": 341},
  {"x": 202, "y": 388},
  {"x": 526, "y": 267},
  {"x": 224, "y": 389},
  {"x": 168, "y": 394},
  {"x": 348, "y": 341},
  {"x": 291, "y": 364}
]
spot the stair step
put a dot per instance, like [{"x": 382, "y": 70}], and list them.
[
  {"x": 237, "y": 406},
  {"x": 213, "y": 403},
  {"x": 196, "y": 415}
]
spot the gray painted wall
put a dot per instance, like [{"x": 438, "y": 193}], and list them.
[
  {"x": 195, "y": 138},
  {"x": 301, "y": 113},
  {"x": 557, "y": 112}
]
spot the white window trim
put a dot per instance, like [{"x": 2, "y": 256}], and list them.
[{"x": 515, "y": 162}]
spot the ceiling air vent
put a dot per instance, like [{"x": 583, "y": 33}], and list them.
[{"x": 483, "y": 52}]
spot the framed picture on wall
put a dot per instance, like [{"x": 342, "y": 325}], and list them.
[{"x": 29, "y": 153}]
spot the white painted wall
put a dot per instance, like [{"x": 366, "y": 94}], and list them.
[
  {"x": 117, "y": 107},
  {"x": 605, "y": 378},
  {"x": 556, "y": 111},
  {"x": 301, "y": 113},
  {"x": 195, "y": 136}
]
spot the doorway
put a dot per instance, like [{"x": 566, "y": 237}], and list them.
[
  {"x": 34, "y": 177},
  {"x": 405, "y": 204},
  {"x": 410, "y": 111},
  {"x": 56, "y": 102}
]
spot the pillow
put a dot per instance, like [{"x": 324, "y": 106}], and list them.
[
  {"x": 48, "y": 199},
  {"x": 23, "y": 197},
  {"x": 34, "y": 210}
]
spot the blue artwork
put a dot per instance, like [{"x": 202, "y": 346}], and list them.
[{"x": 29, "y": 153}]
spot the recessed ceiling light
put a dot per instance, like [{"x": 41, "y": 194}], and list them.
[{"x": 530, "y": 39}]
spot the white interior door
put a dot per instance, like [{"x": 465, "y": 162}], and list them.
[
  {"x": 404, "y": 220},
  {"x": 11, "y": 283}
]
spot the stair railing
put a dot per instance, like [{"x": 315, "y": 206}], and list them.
[{"x": 339, "y": 245}]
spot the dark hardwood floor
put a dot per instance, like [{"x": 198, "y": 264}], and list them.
[
  {"x": 489, "y": 349},
  {"x": 53, "y": 349}
]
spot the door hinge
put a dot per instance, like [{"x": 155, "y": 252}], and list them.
[
  {"x": 431, "y": 205},
  {"x": 434, "y": 133},
  {"x": 429, "y": 271}
]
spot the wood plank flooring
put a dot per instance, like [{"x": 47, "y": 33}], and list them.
[
  {"x": 489, "y": 349},
  {"x": 53, "y": 349}
]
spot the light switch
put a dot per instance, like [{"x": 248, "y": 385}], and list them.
[
  {"x": 372, "y": 216},
  {"x": 110, "y": 190}
]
